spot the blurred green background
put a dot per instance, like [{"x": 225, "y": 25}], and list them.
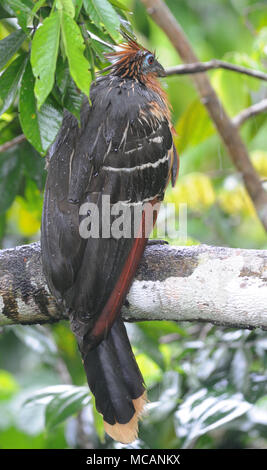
[{"x": 206, "y": 385}]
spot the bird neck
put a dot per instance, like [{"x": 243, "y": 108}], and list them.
[{"x": 151, "y": 81}]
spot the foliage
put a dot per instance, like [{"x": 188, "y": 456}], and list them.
[{"x": 206, "y": 385}]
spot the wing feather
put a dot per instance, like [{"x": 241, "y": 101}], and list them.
[{"x": 119, "y": 153}]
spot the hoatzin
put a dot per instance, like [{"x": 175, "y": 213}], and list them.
[{"x": 123, "y": 149}]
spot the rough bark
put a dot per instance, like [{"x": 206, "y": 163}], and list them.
[{"x": 220, "y": 285}]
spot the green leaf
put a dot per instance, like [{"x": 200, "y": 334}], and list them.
[
  {"x": 9, "y": 82},
  {"x": 46, "y": 394},
  {"x": 232, "y": 90},
  {"x": 98, "y": 423},
  {"x": 22, "y": 10},
  {"x": 77, "y": 5},
  {"x": 74, "y": 47},
  {"x": 37, "y": 6},
  {"x": 147, "y": 343},
  {"x": 66, "y": 404},
  {"x": 36, "y": 338},
  {"x": 170, "y": 388},
  {"x": 202, "y": 412},
  {"x": 73, "y": 99},
  {"x": 67, "y": 6},
  {"x": 239, "y": 371},
  {"x": 194, "y": 126},
  {"x": 103, "y": 14},
  {"x": 39, "y": 126},
  {"x": 33, "y": 164},
  {"x": 258, "y": 414},
  {"x": 10, "y": 45},
  {"x": 44, "y": 56},
  {"x": 10, "y": 166},
  {"x": 120, "y": 5},
  {"x": 8, "y": 385},
  {"x": 62, "y": 77},
  {"x": 4, "y": 13},
  {"x": 2, "y": 225}
]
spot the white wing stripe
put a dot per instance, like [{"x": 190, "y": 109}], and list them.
[
  {"x": 139, "y": 167},
  {"x": 129, "y": 203}
]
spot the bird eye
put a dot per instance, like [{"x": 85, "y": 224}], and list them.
[{"x": 150, "y": 59}]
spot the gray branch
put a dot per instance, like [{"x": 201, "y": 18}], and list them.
[
  {"x": 223, "y": 286},
  {"x": 250, "y": 112},
  {"x": 200, "y": 67}
]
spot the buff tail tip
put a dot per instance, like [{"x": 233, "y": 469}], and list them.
[{"x": 128, "y": 432}]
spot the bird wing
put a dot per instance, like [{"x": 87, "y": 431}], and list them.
[{"x": 122, "y": 153}]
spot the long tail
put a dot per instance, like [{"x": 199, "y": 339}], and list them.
[{"x": 116, "y": 382}]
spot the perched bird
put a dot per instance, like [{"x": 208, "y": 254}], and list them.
[{"x": 122, "y": 150}]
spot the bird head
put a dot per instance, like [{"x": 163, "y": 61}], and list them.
[{"x": 131, "y": 60}]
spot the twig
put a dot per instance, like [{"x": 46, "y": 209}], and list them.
[
  {"x": 200, "y": 67},
  {"x": 11, "y": 143},
  {"x": 246, "y": 114},
  {"x": 226, "y": 129},
  {"x": 223, "y": 286}
]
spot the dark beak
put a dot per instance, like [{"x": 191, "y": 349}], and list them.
[{"x": 159, "y": 70}]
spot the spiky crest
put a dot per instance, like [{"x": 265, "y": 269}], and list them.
[{"x": 127, "y": 58}]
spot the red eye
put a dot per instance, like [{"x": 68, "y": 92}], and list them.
[{"x": 150, "y": 60}]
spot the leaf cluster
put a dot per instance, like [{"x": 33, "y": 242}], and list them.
[
  {"x": 50, "y": 60},
  {"x": 206, "y": 388}
]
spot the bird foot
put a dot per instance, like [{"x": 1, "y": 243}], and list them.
[{"x": 157, "y": 242}]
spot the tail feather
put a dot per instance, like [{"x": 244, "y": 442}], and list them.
[{"x": 116, "y": 382}]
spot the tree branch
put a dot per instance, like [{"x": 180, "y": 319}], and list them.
[
  {"x": 11, "y": 143},
  {"x": 248, "y": 113},
  {"x": 223, "y": 286},
  {"x": 226, "y": 129},
  {"x": 200, "y": 67}
]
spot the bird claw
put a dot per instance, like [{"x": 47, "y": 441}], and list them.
[{"x": 157, "y": 242}]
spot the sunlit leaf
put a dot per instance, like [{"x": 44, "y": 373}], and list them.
[
  {"x": 193, "y": 127},
  {"x": 25, "y": 214},
  {"x": 44, "y": 56},
  {"x": 37, "y": 6},
  {"x": 259, "y": 160},
  {"x": 8, "y": 385},
  {"x": 147, "y": 343},
  {"x": 232, "y": 90},
  {"x": 22, "y": 10},
  {"x": 119, "y": 4},
  {"x": 36, "y": 124},
  {"x": 74, "y": 47},
  {"x": 195, "y": 190},
  {"x": 67, "y": 6},
  {"x": 103, "y": 14}
]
